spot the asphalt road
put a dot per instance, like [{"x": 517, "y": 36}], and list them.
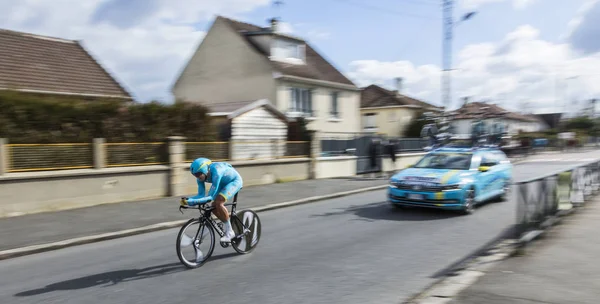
[{"x": 354, "y": 249}]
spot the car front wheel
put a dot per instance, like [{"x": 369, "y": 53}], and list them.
[{"x": 469, "y": 207}]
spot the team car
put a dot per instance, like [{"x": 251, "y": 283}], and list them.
[{"x": 452, "y": 179}]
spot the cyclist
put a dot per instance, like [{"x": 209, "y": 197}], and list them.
[{"x": 226, "y": 182}]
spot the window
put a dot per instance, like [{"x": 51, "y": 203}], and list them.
[
  {"x": 489, "y": 160},
  {"x": 451, "y": 161},
  {"x": 369, "y": 121},
  {"x": 334, "y": 111},
  {"x": 286, "y": 50},
  {"x": 301, "y": 101}
]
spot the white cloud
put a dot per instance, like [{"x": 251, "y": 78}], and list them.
[
  {"x": 517, "y": 4},
  {"x": 147, "y": 55},
  {"x": 522, "y": 4},
  {"x": 579, "y": 18},
  {"x": 521, "y": 67},
  {"x": 286, "y": 28},
  {"x": 303, "y": 30}
]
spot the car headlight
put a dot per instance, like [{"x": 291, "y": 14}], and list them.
[{"x": 458, "y": 185}]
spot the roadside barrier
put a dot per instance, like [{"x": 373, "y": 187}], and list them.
[{"x": 543, "y": 201}]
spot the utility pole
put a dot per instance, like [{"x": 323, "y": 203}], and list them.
[
  {"x": 448, "y": 29},
  {"x": 448, "y": 26}
]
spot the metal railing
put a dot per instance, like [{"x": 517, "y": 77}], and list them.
[
  {"x": 271, "y": 149},
  {"x": 543, "y": 200},
  {"x": 217, "y": 150},
  {"x": 47, "y": 157},
  {"x": 135, "y": 154}
]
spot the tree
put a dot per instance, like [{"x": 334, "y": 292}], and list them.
[
  {"x": 413, "y": 130},
  {"x": 297, "y": 130}
]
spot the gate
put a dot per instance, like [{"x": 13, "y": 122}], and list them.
[
  {"x": 363, "y": 148},
  {"x": 357, "y": 144}
]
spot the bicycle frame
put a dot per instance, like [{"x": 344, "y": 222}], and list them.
[{"x": 206, "y": 217}]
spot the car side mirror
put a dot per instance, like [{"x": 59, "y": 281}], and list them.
[{"x": 484, "y": 169}]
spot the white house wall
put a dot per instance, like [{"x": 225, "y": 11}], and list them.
[
  {"x": 348, "y": 106},
  {"x": 225, "y": 68},
  {"x": 258, "y": 134}
]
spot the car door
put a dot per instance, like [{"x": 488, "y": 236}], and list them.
[{"x": 487, "y": 178}]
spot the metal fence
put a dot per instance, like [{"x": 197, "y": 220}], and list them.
[
  {"x": 542, "y": 201},
  {"x": 271, "y": 149},
  {"x": 64, "y": 156},
  {"x": 217, "y": 151},
  {"x": 45, "y": 157},
  {"x": 333, "y": 144},
  {"x": 135, "y": 154},
  {"x": 409, "y": 144}
]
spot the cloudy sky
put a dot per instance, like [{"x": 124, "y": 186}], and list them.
[{"x": 538, "y": 55}]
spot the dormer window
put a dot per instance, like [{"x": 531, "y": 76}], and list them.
[{"x": 289, "y": 51}]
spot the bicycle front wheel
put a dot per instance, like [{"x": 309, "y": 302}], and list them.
[
  {"x": 248, "y": 222},
  {"x": 195, "y": 243}
]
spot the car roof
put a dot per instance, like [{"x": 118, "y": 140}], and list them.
[{"x": 475, "y": 150}]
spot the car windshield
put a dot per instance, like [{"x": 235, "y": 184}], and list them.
[{"x": 453, "y": 161}]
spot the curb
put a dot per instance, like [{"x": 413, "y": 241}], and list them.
[
  {"x": 447, "y": 288},
  {"x": 16, "y": 252}
]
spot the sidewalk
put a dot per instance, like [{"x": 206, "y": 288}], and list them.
[
  {"x": 561, "y": 268},
  {"x": 43, "y": 228}
]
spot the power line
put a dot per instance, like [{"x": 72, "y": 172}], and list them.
[{"x": 384, "y": 10}]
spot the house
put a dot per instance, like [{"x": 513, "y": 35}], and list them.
[
  {"x": 240, "y": 61},
  {"x": 390, "y": 112},
  {"x": 463, "y": 117},
  {"x": 43, "y": 65},
  {"x": 551, "y": 119},
  {"x": 255, "y": 129}
]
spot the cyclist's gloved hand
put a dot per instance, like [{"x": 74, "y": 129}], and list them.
[
  {"x": 192, "y": 201},
  {"x": 184, "y": 201}
]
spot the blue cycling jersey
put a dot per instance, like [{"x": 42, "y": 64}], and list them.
[{"x": 225, "y": 180}]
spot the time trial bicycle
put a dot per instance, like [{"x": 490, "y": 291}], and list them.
[{"x": 246, "y": 225}]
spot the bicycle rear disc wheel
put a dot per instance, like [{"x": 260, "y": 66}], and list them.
[
  {"x": 248, "y": 242},
  {"x": 193, "y": 250}
]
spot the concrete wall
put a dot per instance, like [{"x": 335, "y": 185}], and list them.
[
  {"x": 342, "y": 166},
  {"x": 22, "y": 193},
  {"x": 34, "y": 192},
  {"x": 402, "y": 161},
  {"x": 337, "y": 166}
]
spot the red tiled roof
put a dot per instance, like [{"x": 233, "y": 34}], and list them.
[
  {"x": 376, "y": 96},
  {"x": 51, "y": 65}
]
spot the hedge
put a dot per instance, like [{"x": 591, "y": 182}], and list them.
[{"x": 27, "y": 118}]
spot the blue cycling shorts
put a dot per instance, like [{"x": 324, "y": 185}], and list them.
[{"x": 229, "y": 190}]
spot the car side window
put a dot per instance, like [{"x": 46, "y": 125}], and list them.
[
  {"x": 489, "y": 160},
  {"x": 501, "y": 156}
]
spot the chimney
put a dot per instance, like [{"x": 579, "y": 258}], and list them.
[
  {"x": 465, "y": 100},
  {"x": 274, "y": 23},
  {"x": 398, "y": 83}
]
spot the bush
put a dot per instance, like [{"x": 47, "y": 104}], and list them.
[
  {"x": 413, "y": 130},
  {"x": 298, "y": 131},
  {"x": 26, "y": 118}
]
